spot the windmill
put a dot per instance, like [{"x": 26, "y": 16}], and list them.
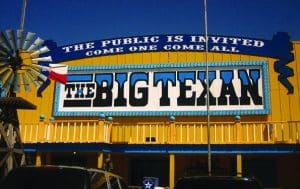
[
  {"x": 23, "y": 64},
  {"x": 19, "y": 66}
]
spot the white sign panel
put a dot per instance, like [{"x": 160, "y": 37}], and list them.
[{"x": 236, "y": 88}]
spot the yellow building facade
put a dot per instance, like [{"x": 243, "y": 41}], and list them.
[{"x": 251, "y": 141}]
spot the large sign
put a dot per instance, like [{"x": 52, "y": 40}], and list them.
[
  {"x": 236, "y": 88},
  {"x": 279, "y": 48}
]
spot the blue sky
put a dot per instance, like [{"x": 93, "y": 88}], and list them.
[{"x": 73, "y": 21}]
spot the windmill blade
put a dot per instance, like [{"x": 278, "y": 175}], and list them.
[
  {"x": 9, "y": 82},
  {"x": 33, "y": 80},
  {"x": 42, "y": 59},
  {"x": 27, "y": 40},
  {"x": 40, "y": 51},
  {"x": 4, "y": 43},
  {"x": 35, "y": 44},
  {"x": 45, "y": 68},
  {"x": 16, "y": 83},
  {"x": 20, "y": 35},
  {"x": 4, "y": 74},
  {"x": 26, "y": 83},
  {"x": 11, "y": 39},
  {"x": 3, "y": 52},
  {"x": 3, "y": 59},
  {"x": 3, "y": 65},
  {"x": 40, "y": 75}
]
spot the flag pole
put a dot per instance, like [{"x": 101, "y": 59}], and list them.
[
  {"x": 207, "y": 92},
  {"x": 23, "y": 14}
]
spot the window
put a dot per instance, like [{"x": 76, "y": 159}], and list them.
[{"x": 98, "y": 181}]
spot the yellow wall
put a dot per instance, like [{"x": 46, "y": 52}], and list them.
[{"x": 283, "y": 107}]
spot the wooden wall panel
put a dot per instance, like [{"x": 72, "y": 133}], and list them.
[{"x": 295, "y": 98}]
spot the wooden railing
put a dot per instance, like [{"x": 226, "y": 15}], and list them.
[
  {"x": 65, "y": 132},
  {"x": 87, "y": 131}
]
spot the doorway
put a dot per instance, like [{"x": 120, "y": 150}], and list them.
[{"x": 149, "y": 166}]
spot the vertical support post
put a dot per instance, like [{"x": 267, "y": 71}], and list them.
[
  {"x": 50, "y": 130},
  {"x": 239, "y": 129},
  {"x": 172, "y": 171},
  {"x": 100, "y": 160},
  {"x": 109, "y": 131},
  {"x": 11, "y": 143},
  {"x": 207, "y": 92},
  {"x": 38, "y": 159},
  {"x": 271, "y": 132},
  {"x": 239, "y": 170},
  {"x": 41, "y": 129},
  {"x": 101, "y": 127},
  {"x": 172, "y": 130}
]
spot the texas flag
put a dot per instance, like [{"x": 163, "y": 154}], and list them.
[{"x": 58, "y": 72}]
